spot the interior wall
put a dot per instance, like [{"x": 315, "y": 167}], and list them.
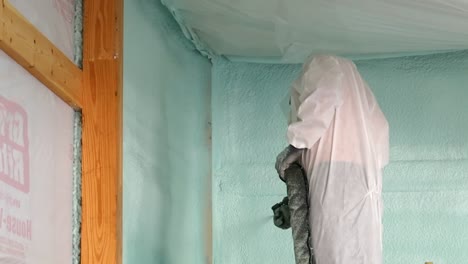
[
  {"x": 166, "y": 139},
  {"x": 36, "y": 164},
  {"x": 425, "y": 186}
]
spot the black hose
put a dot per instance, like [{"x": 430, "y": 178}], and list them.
[{"x": 296, "y": 183}]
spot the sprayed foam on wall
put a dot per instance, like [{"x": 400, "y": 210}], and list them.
[
  {"x": 166, "y": 146},
  {"x": 76, "y": 202},
  {"x": 425, "y": 186},
  {"x": 78, "y": 34},
  {"x": 76, "y": 189}
]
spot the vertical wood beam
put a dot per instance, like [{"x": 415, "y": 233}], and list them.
[{"x": 102, "y": 133}]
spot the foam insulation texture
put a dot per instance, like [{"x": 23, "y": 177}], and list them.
[
  {"x": 287, "y": 31},
  {"x": 78, "y": 33},
  {"x": 76, "y": 199},
  {"x": 425, "y": 185},
  {"x": 166, "y": 149},
  {"x": 76, "y": 189}
]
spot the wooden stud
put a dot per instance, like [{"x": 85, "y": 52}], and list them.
[
  {"x": 97, "y": 91},
  {"x": 32, "y": 50},
  {"x": 102, "y": 133}
]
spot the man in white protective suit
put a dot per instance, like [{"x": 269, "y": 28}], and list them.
[{"x": 339, "y": 135}]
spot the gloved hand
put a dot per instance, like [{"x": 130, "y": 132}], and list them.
[
  {"x": 286, "y": 158},
  {"x": 282, "y": 214}
]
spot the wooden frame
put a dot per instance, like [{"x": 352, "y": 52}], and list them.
[
  {"x": 97, "y": 92},
  {"x": 32, "y": 50}
]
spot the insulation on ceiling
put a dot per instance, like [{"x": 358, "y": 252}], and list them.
[{"x": 289, "y": 31}]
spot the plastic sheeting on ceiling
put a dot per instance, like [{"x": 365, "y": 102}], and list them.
[{"x": 288, "y": 31}]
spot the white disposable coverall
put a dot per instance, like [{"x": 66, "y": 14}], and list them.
[{"x": 336, "y": 118}]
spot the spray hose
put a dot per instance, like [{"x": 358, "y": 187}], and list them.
[{"x": 293, "y": 212}]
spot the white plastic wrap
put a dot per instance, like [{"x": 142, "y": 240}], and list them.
[
  {"x": 36, "y": 136},
  {"x": 291, "y": 30},
  {"x": 336, "y": 118},
  {"x": 54, "y": 18}
]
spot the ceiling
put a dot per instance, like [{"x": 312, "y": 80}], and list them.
[{"x": 287, "y": 31}]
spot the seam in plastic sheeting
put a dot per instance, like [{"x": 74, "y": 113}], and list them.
[
  {"x": 280, "y": 60},
  {"x": 76, "y": 205},
  {"x": 205, "y": 50},
  {"x": 288, "y": 32},
  {"x": 189, "y": 33},
  {"x": 78, "y": 34}
]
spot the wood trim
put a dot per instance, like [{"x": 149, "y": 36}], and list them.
[
  {"x": 97, "y": 91},
  {"x": 102, "y": 133},
  {"x": 32, "y": 50}
]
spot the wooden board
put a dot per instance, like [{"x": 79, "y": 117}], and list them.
[
  {"x": 97, "y": 91},
  {"x": 102, "y": 133},
  {"x": 32, "y": 50}
]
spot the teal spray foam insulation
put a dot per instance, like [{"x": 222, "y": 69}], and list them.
[
  {"x": 425, "y": 186},
  {"x": 76, "y": 206},
  {"x": 166, "y": 149},
  {"x": 78, "y": 34},
  {"x": 247, "y": 128}
]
